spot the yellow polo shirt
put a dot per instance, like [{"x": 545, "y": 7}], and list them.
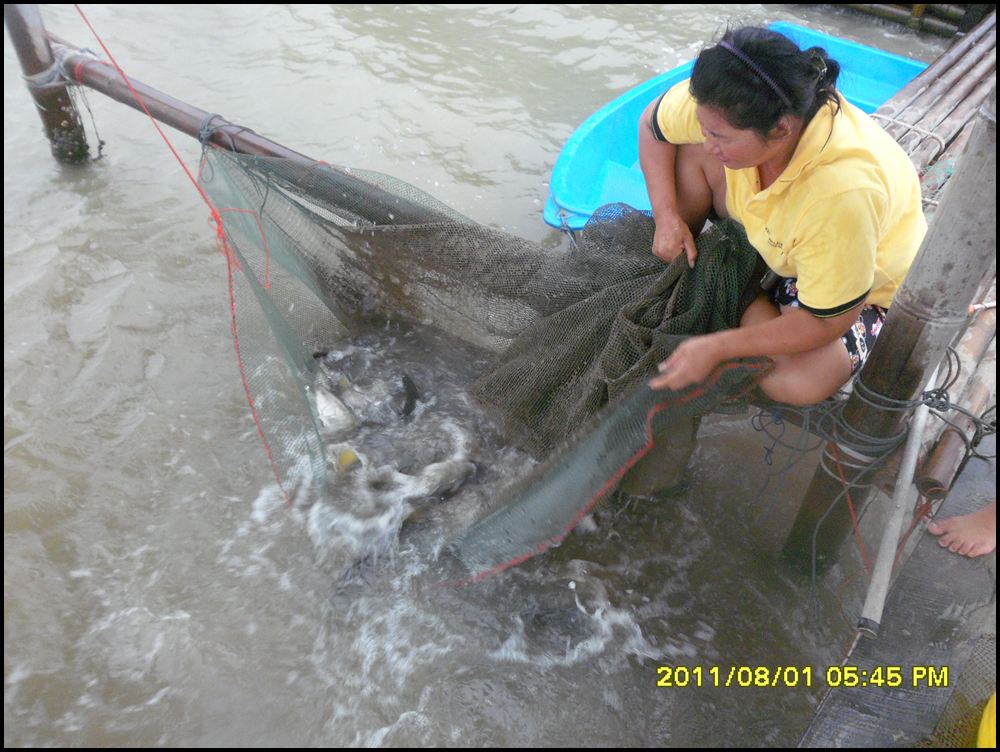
[{"x": 844, "y": 217}]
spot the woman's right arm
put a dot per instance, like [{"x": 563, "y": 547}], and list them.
[{"x": 658, "y": 160}]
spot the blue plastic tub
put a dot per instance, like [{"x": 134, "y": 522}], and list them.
[{"x": 600, "y": 162}]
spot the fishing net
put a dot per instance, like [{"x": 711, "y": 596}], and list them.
[
  {"x": 322, "y": 255},
  {"x": 562, "y": 369}
]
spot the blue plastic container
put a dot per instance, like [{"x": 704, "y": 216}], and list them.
[{"x": 600, "y": 162}]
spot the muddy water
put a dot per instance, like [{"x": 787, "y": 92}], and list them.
[{"x": 157, "y": 590}]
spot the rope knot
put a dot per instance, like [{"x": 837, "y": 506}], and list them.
[{"x": 936, "y": 399}]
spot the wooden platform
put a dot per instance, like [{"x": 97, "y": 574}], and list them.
[{"x": 932, "y": 116}]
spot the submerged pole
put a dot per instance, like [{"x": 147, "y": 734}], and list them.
[
  {"x": 46, "y": 84},
  {"x": 930, "y": 307}
]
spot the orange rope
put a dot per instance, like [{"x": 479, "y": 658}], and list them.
[
  {"x": 921, "y": 512},
  {"x": 855, "y": 524}
]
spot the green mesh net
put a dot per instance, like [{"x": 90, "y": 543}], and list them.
[{"x": 562, "y": 341}]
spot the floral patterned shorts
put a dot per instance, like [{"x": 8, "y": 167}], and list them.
[{"x": 858, "y": 340}]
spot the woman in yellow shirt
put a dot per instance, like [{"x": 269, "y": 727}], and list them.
[{"x": 828, "y": 199}]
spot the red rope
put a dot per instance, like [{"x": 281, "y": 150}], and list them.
[
  {"x": 921, "y": 512},
  {"x": 220, "y": 237},
  {"x": 855, "y": 524}
]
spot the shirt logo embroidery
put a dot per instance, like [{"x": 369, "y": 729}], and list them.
[{"x": 771, "y": 241}]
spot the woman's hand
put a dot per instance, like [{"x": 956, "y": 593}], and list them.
[
  {"x": 672, "y": 238},
  {"x": 692, "y": 362}
]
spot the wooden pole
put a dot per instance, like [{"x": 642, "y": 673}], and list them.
[
  {"x": 372, "y": 203},
  {"x": 930, "y": 307},
  {"x": 901, "y": 15},
  {"x": 971, "y": 349},
  {"x": 947, "y": 456},
  {"x": 48, "y": 88}
]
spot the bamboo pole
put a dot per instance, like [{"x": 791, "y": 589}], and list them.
[
  {"x": 901, "y": 15},
  {"x": 946, "y": 99},
  {"x": 976, "y": 339},
  {"x": 949, "y": 452},
  {"x": 929, "y": 308},
  {"x": 944, "y": 82},
  {"x": 953, "y": 13},
  {"x": 916, "y": 107},
  {"x": 59, "y": 115},
  {"x": 373, "y": 203},
  {"x": 936, "y": 176},
  {"x": 973, "y": 46},
  {"x": 970, "y": 350},
  {"x": 949, "y": 128},
  {"x": 974, "y": 13}
]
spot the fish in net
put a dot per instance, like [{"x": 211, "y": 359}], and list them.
[{"x": 559, "y": 342}]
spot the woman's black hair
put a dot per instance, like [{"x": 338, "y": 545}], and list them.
[{"x": 755, "y": 76}]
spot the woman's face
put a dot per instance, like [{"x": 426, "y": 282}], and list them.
[{"x": 736, "y": 148}]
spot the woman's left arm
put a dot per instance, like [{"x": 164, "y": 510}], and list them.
[
  {"x": 834, "y": 253},
  {"x": 794, "y": 331}
]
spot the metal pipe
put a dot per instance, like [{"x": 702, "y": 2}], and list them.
[{"x": 902, "y": 499}]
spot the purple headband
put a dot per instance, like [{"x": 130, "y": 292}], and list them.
[{"x": 758, "y": 70}]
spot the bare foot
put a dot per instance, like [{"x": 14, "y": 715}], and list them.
[{"x": 971, "y": 535}]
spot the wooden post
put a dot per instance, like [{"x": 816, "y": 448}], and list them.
[
  {"x": 41, "y": 72},
  {"x": 929, "y": 309}
]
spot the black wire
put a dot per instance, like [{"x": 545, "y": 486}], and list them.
[{"x": 829, "y": 425}]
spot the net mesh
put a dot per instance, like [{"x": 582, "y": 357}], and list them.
[
  {"x": 321, "y": 255},
  {"x": 958, "y": 726},
  {"x": 600, "y": 344}
]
